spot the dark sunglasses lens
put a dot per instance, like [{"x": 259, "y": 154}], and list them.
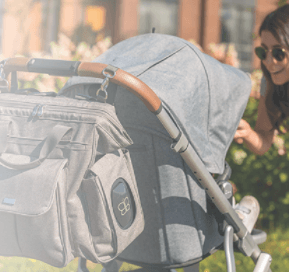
[
  {"x": 260, "y": 52},
  {"x": 278, "y": 54}
]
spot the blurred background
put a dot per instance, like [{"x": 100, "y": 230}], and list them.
[
  {"x": 225, "y": 29},
  {"x": 31, "y": 25}
]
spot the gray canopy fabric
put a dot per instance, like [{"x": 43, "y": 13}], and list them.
[{"x": 206, "y": 97}]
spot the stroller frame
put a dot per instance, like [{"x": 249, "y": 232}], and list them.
[{"x": 235, "y": 231}]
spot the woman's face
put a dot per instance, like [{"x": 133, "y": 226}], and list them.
[{"x": 279, "y": 70}]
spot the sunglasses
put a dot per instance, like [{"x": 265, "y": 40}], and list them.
[{"x": 278, "y": 54}]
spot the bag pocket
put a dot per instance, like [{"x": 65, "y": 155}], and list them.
[
  {"x": 33, "y": 211},
  {"x": 113, "y": 203}
]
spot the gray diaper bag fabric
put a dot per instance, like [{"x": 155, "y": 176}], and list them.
[{"x": 67, "y": 186}]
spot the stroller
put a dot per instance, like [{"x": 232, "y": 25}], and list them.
[
  {"x": 202, "y": 102},
  {"x": 181, "y": 108}
]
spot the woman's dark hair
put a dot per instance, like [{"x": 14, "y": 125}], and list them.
[{"x": 276, "y": 100}]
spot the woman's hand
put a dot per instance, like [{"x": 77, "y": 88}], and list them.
[
  {"x": 260, "y": 139},
  {"x": 243, "y": 131}
]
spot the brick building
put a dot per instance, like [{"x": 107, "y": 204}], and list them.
[{"x": 28, "y": 25}]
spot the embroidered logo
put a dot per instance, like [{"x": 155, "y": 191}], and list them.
[{"x": 124, "y": 206}]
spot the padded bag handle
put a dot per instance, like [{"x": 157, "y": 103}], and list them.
[
  {"x": 4, "y": 127},
  {"x": 51, "y": 141}
]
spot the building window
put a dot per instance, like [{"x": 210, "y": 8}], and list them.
[
  {"x": 237, "y": 18},
  {"x": 159, "y": 14},
  {"x": 95, "y": 17}
]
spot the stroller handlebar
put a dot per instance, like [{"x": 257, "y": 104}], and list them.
[{"x": 86, "y": 69}]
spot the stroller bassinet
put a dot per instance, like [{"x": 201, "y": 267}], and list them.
[{"x": 204, "y": 100}]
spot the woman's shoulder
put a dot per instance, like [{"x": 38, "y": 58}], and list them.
[{"x": 263, "y": 86}]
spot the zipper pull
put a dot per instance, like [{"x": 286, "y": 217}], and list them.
[
  {"x": 35, "y": 110},
  {"x": 40, "y": 110}
]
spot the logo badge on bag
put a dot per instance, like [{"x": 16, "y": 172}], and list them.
[
  {"x": 124, "y": 206},
  {"x": 123, "y": 203},
  {"x": 8, "y": 201}
]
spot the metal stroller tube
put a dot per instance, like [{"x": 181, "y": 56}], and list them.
[
  {"x": 229, "y": 232},
  {"x": 244, "y": 240}
]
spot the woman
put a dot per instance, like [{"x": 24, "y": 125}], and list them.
[{"x": 273, "y": 106}]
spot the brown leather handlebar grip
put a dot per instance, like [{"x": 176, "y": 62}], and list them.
[
  {"x": 16, "y": 64},
  {"x": 126, "y": 80}
]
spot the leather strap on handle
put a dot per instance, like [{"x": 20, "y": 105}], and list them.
[
  {"x": 126, "y": 80},
  {"x": 16, "y": 64}
]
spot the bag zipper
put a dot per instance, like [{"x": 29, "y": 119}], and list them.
[
  {"x": 35, "y": 110},
  {"x": 38, "y": 109}
]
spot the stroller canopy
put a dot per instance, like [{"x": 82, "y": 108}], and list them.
[{"x": 205, "y": 97}]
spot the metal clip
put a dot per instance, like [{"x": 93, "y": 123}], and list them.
[
  {"x": 35, "y": 110},
  {"x": 104, "y": 84},
  {"x": 40, "y": 110}
]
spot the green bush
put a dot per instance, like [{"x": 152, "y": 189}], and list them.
[{"x": 265, "y": 177}]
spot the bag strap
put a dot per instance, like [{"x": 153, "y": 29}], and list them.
[
  {"x": 4, "y": 131},
  {"x": 51, "y": 141}
]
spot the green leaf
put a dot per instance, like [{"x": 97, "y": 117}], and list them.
[{"x": 283, "y": 177}]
